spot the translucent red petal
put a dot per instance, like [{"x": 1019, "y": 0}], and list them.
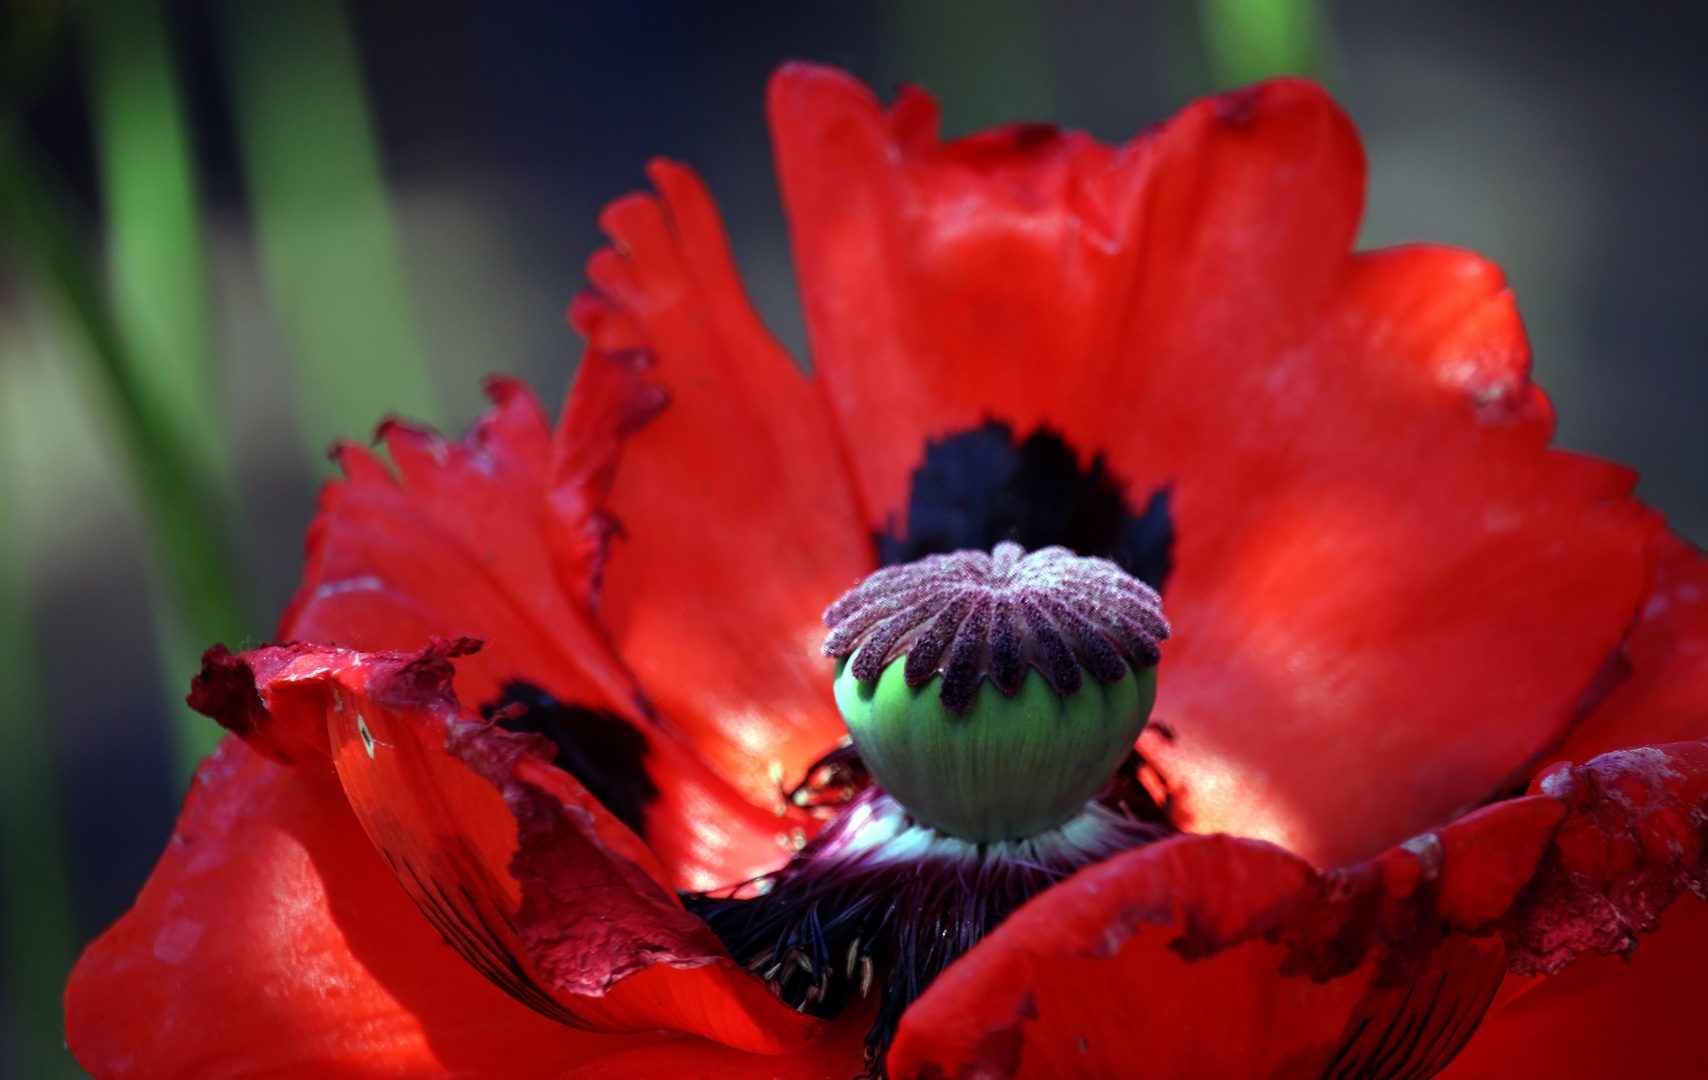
[
  {"x": 495, "y": 536},
  {"x": 1375, "y": 550},
  {"x": 529, "y": 878},
  {"x": 736, "y": 515},
  {"x": 1665, "y": 699}
]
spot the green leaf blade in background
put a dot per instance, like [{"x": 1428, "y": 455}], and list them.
[
  {"x": 186, "y": 515},
  {"x": 1249, "y": 40},
  {"x": 158, "y": 285},
  {"x": 327, "y": 241},
  {"x": 156, "y": 259}
]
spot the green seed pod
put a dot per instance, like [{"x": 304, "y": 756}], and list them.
[
  {"x": 1007, "y": 768},
  {"x": 995, "y": 695}
]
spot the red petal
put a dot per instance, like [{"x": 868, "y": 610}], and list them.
[
  {"x": 945, "y": 284},
  {"x": 838, "y": 1055},
  {"x": 1076, "y": 983},
  {"x": 1634, "y": 840},
  {"x": 1605, "y": 1015},
  {"x": 454, "y": 546},
  {"x": 1207, "y": 955},
  {"x": 1376, "y": 553},
  {"x": 738, "y": 521},
  {"x": 272, "y": 940},
  {"x": 1664, "y": 698},
  {"x": 471, "y": 538},
  {"x": 534, "y": 882},
  {"x": 1376, "y": 619},
  {"x": 1584, "y": 866}
]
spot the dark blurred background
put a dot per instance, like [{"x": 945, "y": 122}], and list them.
[{"x": 229, "y": 232}]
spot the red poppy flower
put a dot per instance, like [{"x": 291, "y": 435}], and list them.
[{"x": 1398, "y": 619}]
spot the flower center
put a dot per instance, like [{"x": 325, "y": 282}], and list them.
[
  {"x": 993, "y": 700},
  {"x": 993, "y": 695}
]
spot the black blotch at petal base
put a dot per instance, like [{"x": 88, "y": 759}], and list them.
[
  {"x": 981, "y": 487},
  {"x": 600, "y": 749}
]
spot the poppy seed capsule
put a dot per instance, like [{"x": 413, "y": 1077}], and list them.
[{"x": 994, "y": 695}]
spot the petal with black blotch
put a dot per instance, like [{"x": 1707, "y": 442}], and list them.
[
  {"x": 474, "y": 537},
  {"x": 536, "y": 884},
  {"x": 453, "y": 544},
  {"x": 736, "y": 516},
  {"x": 1375, "y": 550}
]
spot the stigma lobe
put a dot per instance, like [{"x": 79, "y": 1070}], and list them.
[{"x": 969, "y": 614}]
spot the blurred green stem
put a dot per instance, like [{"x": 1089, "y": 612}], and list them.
[
  {"x": 154, "y": 237},
  {"x": 328, "y": 244},
  {"x": 1248, "y": 40},
  {"x": 159, "y": 289},
  {"x": 180, "y": 492},
  {"x": 40, "y": 942}
]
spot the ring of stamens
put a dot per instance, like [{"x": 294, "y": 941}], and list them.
[{"x": 879, "y": 903}]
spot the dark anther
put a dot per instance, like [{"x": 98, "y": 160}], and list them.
[
  {"x": 1127, "y": 794},
  {"x": 981, "y": 487},
  {"x": 601, "y": 750},
  {"x": 832, "y": 781}
]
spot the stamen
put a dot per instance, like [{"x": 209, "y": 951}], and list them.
[
  {"x": 832, "y": 782},
  {"x": 879, "y": 902}
]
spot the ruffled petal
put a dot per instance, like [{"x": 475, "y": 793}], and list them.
[
  {"x": 534, "y": 882},
  {"x": 1375, "y": 552},
  {"x": 1666, "y": 697},
  {"x": 477, "y": 537},
  {"x": 271, "y": 940},
  {"x": 454, "y": 545},
  {"x": 1215, "y": 956},
  {"x": 1633, "y": 845},
  {"x": 1604, "y": 1016},
  {"x": 1582, "y": 866},
  {"x": 737, "y": 520},
  {"x": 1635, "y": 839}
]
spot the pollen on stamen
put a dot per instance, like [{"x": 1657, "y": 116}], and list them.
[{"x": 972, "y": 614}]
